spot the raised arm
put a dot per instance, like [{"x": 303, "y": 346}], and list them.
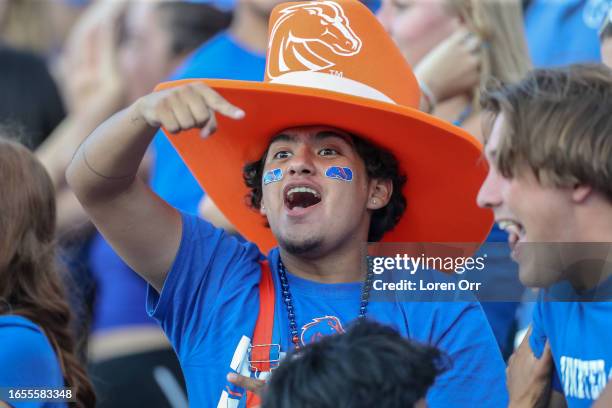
[{"x": 143, "y": 229}]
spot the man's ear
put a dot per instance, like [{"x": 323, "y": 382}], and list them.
[
  {"x": 379, "y": 194},
  {"x": 580, "y": 192}
]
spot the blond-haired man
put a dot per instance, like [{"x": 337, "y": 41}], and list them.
[{"x": 550, "y": 186}]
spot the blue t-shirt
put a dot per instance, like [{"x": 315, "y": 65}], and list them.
[
  {"x": 221, "y": 58},
  {"x": 27, "y": 359},
  {"x": 119, "y": 290},
  {"x": 209, "y": 305},
  {"x": 580, "y": 336},
  {"x": 564, "y": 32}
]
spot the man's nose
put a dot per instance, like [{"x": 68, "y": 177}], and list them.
[
  {"x": 301, "y": 163},
  {"x": 490, "y": 193}
]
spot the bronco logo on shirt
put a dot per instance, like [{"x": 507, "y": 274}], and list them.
[{"x": 319, "y": 327}]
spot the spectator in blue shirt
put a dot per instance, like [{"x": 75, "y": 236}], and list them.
[
  {"x": 550, "y": 186},
  {"x": 37, "y": 346},
  {"x": 205, "y": 286}
]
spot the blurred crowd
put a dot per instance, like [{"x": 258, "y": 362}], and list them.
[{"x": 67, "y": 65}]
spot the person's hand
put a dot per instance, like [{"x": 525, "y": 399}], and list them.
[
  {"x": 186, "y": 107},
  {"x": 250, "y": 384},
  {"x": 527, "y": 377},
  {"x": 452, "y": 68},
  {"x": 90, "y": 68},
  {"x": 605, "y": 398}
]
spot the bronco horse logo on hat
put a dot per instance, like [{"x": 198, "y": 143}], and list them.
[{"x": 323, "y": 32}]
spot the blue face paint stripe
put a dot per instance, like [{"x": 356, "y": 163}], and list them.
[
  {"x": 339, "y": 173},
  {"x": 272, "y": 176}
]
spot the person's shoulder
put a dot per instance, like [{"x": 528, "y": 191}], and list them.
[
  {"x": 200, "y": 233},
  {"x": 208, "y": 55},
  {"x": 220, "y": 41},
  {"x": 26, "y": 355},
  {"x": 18, "y": 323},
  {"x": 21, "y": 331},
  {"x": 23, "y": 342}
]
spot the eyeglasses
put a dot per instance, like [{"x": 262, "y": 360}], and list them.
[{"x": 605, "y": 30}]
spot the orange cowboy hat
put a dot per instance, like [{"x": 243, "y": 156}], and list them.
[{"x": 331, "y": 63}]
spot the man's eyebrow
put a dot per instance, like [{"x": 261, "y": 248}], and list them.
[
  {"x": 325, "y": 134},
  {"x": 328, "y": 134},
  {"x": 283, "y": 137}
]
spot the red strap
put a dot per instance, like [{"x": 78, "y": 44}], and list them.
[{"x": 262, "y": 337}]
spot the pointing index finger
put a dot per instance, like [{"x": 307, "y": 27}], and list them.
[{"x": 219, "y": 104}]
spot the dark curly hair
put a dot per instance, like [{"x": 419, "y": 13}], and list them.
[
  {"x": 370, "y": 365},
  {"x": 379, "y": 163}
]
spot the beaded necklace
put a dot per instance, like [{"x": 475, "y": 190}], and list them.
[{"x": 288, "y": 300}]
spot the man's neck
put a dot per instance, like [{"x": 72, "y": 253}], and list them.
[
  {"x": 341, "y": 266},
  {"x": 593, "y": 237},
  {"x": 594, "y": 268},
  {"x": 588, "y": 279},
  {"x": 249, "y": 28}
]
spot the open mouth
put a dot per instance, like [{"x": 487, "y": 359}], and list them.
[
  {"x": 301, "y": 197},
  {"x": 515, "y": 231}
]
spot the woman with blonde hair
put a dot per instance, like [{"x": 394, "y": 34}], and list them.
[
  {"x": 456, "y": 47},
  {"x": 429, "y": 32},
  {"x": 37, "y": 347}
]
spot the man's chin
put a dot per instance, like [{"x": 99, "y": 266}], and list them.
[
  {"x": 534, "y": 279},
  {"x": 529, "y": 281},
  {"x": 301, "y": 247}
]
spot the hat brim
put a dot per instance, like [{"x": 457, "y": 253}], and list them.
[{"x": 442, "y": 162}]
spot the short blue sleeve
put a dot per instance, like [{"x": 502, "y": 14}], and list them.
[
  {"x": 210, "y": 268},
  {"x": 26, "y": 358},
  {"x": 477, "y": 377},
  {"x": 171, "y": 179},
  {"x": 538, "y": 338}
]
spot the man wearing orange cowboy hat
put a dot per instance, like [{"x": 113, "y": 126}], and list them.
[{"x": 332, "y": 73}]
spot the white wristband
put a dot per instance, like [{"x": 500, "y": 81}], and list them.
[{"x": 429, "y": 96}]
